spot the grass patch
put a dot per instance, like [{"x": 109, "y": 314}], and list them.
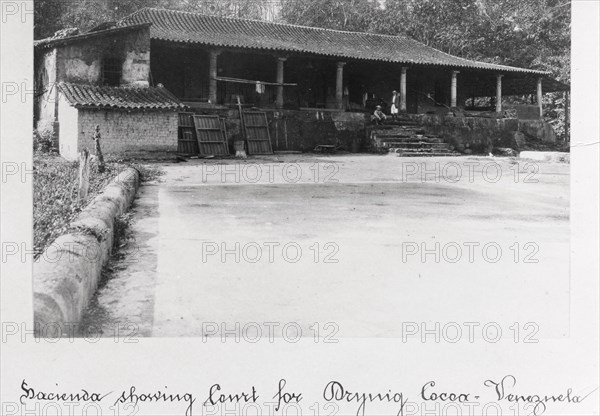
[{"x": 55, "y": 187}]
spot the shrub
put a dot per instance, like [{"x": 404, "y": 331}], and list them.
[
  {"x": 42, "y": 141},
  {"x": 55, "y": 193}
]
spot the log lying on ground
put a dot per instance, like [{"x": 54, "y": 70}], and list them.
[{"x": 66, "y": 275}]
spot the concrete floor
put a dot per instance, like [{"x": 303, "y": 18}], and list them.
[{"x": 364, "y": 211}]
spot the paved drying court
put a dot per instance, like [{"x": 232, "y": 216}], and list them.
[{"x": 354, "y": 245}]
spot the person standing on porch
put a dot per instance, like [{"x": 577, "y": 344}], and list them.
[{"x": 395, "y": 104}]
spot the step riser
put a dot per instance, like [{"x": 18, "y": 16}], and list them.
[
  {"x": 409, "y": 152},
  {"x": 404, "y": 152},
  {"x": 407, "y": 136},
  {"x": 428, "y": 155},
  {"x": 400, "y": 123},
  {"x": 410, "y": 140},
  {"x": 401, "y": 132},
  {"x": 415, "y": 146}
]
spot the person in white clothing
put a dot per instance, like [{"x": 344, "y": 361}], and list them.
[{"x": 395, "y": 104}]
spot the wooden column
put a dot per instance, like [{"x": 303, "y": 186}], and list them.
[
  {"x": 453, "y": 84},
  {"x": 212, "y": 76},
  {"x": 339, "y": 86},
  {"x": 539, "y": 96},
  {"x": 403, "y": 89},
  {"x": 499, "y": 93},
  {"x": 280, "y": 80}
]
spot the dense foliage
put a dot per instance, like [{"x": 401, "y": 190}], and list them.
[
  {"x": 55, "y": 200},
  {"x": 528, "y": 33},
  {"x": 531, "y": 33},
  {"x": 53, "y": 15}
]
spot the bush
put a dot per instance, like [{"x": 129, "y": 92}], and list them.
[
  {"x": 42, "y": 141},
  {"x": 55, "y": 193}
]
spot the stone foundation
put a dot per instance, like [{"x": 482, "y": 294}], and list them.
[
  {"x": 480, "y": 135},
  {"x": 538, "y": 130},
  {"x": 296, "y": 130},
  {"x": 302, "y": 130},
  {"x": 477, "y": 134}
]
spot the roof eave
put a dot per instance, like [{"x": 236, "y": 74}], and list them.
[
  {"x": 499, "y": 68},
  {"x": 49, "y": 42}
]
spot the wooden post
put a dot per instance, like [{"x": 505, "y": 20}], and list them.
[
  {"x": 212, "y": 76},
  {"x": 280, "y": 80},
  {"x": 403, "y": 89},
  {"x": 84, "y": 175},
  {"x": 98, "y": 149},
  {"x": 539, "y": 96},
  {"x": 499, "y": 93},
  {"x": 339, "y": 86},
  {"x": 453, "y": 88}
]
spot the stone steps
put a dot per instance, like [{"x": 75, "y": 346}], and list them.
[
  {"x": 403, "y": 140},
  {"x": 403, "y": 130},
  {"x": 400, "y": 122},
  {"x": 403, "y": 133},
  {"x": 410, "y": 139},
  {"x": 440, "y": 148},
  {"x": 407, "y": 138},
  {"x": 404, "y": 152}
]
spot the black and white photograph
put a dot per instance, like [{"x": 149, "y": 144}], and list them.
[{"x": 277, "y": 207}]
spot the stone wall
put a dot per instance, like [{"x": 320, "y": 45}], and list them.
[
  {"x": 295, "y": 130},
  {"x": 302, "y": 130},
  {"x": 537, "y": 130},
  {"x": 524, "y": 111},
  {"x": 68, "y": 131},
  {"x": 81, "y": 62},
  {"x": 124, "y": 131},
  {"x": 478, "y": 134}
]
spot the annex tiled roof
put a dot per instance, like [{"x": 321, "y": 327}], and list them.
[
  {"x": 130, "y": 98},
  {"x": 51, "y": 42},
  {"x": 177, "y": 26}
]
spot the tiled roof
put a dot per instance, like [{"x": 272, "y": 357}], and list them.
[
  {"x": 176, "y": 26},
  {"x": 51, "y": 42},
  {"x": 129, "y": 98}
]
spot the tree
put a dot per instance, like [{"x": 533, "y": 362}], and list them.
[
  {"x": 52, "y": 15},
  {"x": 352, "y": 15}
]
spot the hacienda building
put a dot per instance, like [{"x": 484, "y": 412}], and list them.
[{"x": 138, "y": 79}]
